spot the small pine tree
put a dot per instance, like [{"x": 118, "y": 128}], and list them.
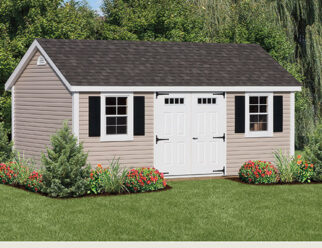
[
  {"x": 5, "y": 145},
  {"x": 66, "y": 170}
]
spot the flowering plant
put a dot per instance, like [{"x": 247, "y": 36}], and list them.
[
  {"x": 258, "y": 172},
  {"x": 8, "y": 173},
  {"x": 144, "y": 179},
  {"x": 94, "y": 180},
  {"x": 305, "y": 171},
  {"x": 34, "y": 182}
]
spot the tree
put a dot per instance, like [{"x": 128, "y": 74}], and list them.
[
  {"x": 5, "y": 145},
  {"x": 66, "y": 171},
  {"x": 161, "y": 20}
]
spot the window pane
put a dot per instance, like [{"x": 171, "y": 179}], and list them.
[
  {"x": 199, "y": 100},
  {"x": 110, "y": 100},
  {"x": 111, "y": 111},
  {"x": 166, "y": 100},
  {"x": 121, "y": 101},
  {"x": 121, "y": 120},
  {"x": 263, "y": 99},
  {"x": 213, "y": 100},
  {"x": 253, "y": 100},
  {"x": 110, "y": 129},
  {"x": 209, "y": 100},
  {"x": 253, "y": 108},
  {"x": 121, "y": 110},
  {"x": 171, "y": 100},
  {"x": 264, "y": 127},
  {"x": 181, "y": 101},
  {"x": 253, "y": 118},
  {"x": 263, "y": 108},
  {"x": 110, "y": 121},
  {"x": 252, "y": 126},
  {"x": 121, "y": 129},
  {"x": 204, "y": 100},
  {"x": 263, "y": 118},
  {"x": 176, "y": 100}
]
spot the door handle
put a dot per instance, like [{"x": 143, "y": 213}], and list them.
[
  {"x": 194, "y": 138},
  {"x": 157, "y": 139}
]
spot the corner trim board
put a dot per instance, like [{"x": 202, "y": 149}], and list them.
[
  {"x": 75, "y": 114},
  {"x": 292, "y": 124},
  {"x": 13, "y": 116}
]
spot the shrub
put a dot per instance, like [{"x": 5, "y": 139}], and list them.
[
  {"x": 144, "y": 179},
  {"x": 305, "y": 172},
  {"x": 66, "y": 172},
  {"x": 112, "y": 180},
  {"x": 287, "y": 167},
  {"x": 109, "y": 180},
  {"x": 34, "y": 182},
  {"x": 258, "y": 172},
  {"x": 5, "y": 146},
  {"x": 313, "y": 153}
]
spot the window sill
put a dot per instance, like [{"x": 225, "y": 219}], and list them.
[
  {"x": 258, "y": 134},
  {"x": 116, "y": 138}
]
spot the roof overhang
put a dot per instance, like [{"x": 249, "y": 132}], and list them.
[
  {"x": 26, "y": 59},
  {"x": 185, "y": 88}
]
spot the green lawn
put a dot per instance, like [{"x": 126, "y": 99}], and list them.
[{"x": 193, "y": 210}]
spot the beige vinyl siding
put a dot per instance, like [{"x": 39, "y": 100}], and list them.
[
  {"x": 135, "y": 153},
  {"x": 241, "y": 148},
  {"x": 41, "y": 105}
]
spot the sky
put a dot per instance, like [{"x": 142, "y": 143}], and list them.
[{"x": 95, "y": 4}]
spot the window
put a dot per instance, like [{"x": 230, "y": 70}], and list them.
[
  {"x": 259, "y": 116},
  {"x": 206, "y": 100},
  {"x": 117, "y": 117},
  {"x": 174, "y": 100}
]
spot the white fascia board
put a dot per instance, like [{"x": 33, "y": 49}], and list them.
[
  {"x": 25, "y": 60},
  {"x": 185, "y": 89}
]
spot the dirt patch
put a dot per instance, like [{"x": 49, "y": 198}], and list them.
[
  {"x": 236, "y": 179},
  {"x": 89, "y": 195}
]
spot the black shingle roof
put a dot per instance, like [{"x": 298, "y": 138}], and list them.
[{"x": 139, "y": 63}]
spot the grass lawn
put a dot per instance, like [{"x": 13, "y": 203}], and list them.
[{"x": 193, "y": 210}]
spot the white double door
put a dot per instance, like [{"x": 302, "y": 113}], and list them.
[{"x": 190, "y": 133}]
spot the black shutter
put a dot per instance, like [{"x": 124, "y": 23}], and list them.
[
  {"x": 94, "y": 116},
  {"x": 278, "y": 113},
  {"x": 239, "y": 114},
  {"x": 139, "y": 115}
]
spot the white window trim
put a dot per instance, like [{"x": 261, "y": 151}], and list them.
[
  {"x": 117, "y": 137},
  {"x": 269, "y": 132}
]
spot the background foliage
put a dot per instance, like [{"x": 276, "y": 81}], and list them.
[{"x": 290, "y": 30}]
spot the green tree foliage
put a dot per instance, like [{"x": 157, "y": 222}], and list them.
[
  {"x": 66, "y": 171},
  {"x": 313, "y": 152},
  {"x": 5, "y": 110},
  {"x": 5, "y": 145},
  {"x": 162, "y": 20}
]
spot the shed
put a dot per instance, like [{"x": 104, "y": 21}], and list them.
[{"x": 187, "y": 109}]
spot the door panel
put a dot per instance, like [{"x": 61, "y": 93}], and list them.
[
  {"x": 173, "y": 123},
  {"x": 190, "y": 125}
]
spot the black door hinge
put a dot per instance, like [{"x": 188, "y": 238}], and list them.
[
  {"x": 157, "y": 139},
  {"x": 221, "y": 137}
]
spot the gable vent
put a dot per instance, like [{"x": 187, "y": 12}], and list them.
[{"x": 41, "y": 60}]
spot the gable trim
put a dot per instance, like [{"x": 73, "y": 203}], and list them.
[{"x": 26, "y": 59}]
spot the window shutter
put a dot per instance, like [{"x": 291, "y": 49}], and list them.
[
  {"x": 139, "y": 115},
  {"x": 94, "y": 116},
  {"x": 239, "y": 114},
  {"x": 278, "y": 113}
]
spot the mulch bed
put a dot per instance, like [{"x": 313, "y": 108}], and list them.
[
  {"x": 236, "y": 179},
  {"x": 89, "y": 195}
]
